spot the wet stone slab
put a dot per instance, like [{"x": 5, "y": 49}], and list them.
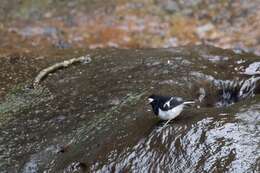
[{"x": 95, "y": 117}]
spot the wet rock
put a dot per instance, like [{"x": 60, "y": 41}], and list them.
[
  {"x": 103, "y": 123},
  {"x": 77, "y": 167},
  {"x": 62, "y": 44},
  {"x": 253, "y": 69},
  {"x": 170, "y": 6},
  {"x": 32, "y": 31},
  {"x": 202, "y": 30},
  {"x": 59, "y": 118}
]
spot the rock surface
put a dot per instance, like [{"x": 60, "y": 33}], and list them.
[{"x": 95, "y": 118}]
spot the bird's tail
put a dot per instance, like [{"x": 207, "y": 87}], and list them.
[{"x": 189, "y": 102}]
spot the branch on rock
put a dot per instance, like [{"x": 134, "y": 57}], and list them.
[{"x": 83, "y": 59}]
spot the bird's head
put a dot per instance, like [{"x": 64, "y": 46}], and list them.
[{"x": 152, "y": 99}]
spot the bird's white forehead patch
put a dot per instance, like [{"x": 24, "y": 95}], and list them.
[{"x": 150, "y": 100}]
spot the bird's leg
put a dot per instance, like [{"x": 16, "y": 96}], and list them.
[{"x": 165, "y": 124}]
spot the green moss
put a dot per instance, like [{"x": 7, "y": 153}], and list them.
[
  {"x": 29, "y": 7},
  {"x": 101, "y": 123},
  {"x": 21, "y": 98}
]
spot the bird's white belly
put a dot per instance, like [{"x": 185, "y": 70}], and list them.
[{"x": 171, "y": 114}]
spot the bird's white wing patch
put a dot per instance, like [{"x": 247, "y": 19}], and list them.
[{"x": 168, "y": 103}]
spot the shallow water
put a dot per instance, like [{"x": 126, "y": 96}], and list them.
[{"x": 97, "y": 118}]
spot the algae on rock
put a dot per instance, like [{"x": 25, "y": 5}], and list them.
[{"x": 20, "y": 99}]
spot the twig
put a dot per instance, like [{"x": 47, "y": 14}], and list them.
[{"x": 43, "y": 73}]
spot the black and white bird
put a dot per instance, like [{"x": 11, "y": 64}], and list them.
[{"x": 167, "y": 107}]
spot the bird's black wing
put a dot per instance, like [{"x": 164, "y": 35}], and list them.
[{"x": 168, "y": 103}]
